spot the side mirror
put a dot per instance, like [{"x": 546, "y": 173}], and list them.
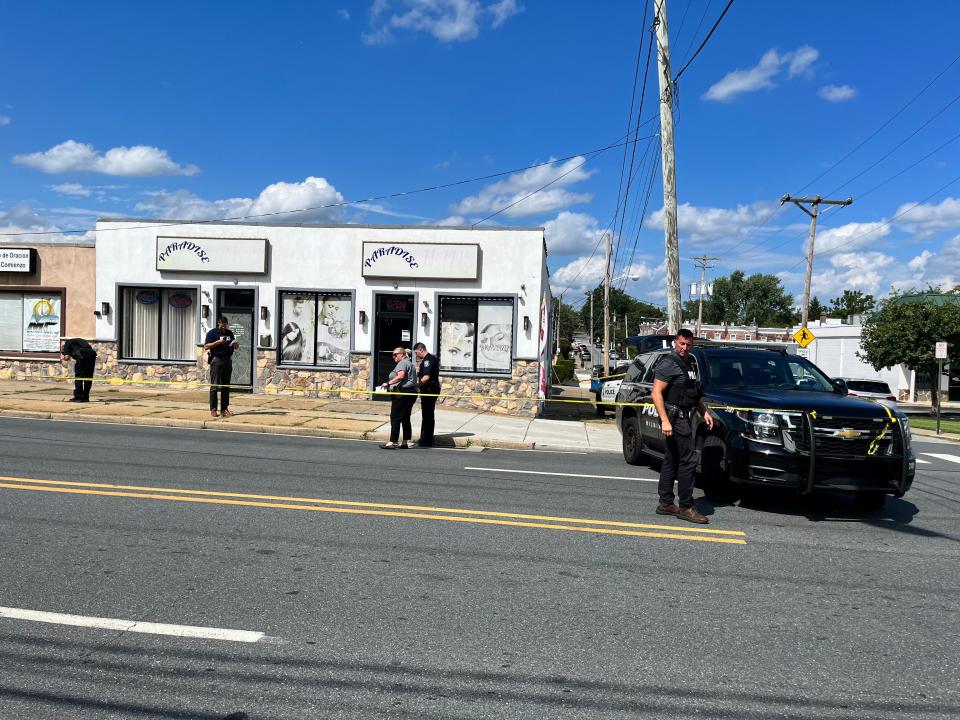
[{"x": 840, "y": 385}]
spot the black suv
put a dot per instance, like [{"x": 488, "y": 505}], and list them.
[{"x": 780, "y": 422}]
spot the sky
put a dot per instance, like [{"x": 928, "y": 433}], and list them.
[{"x": 519, "y": 113}]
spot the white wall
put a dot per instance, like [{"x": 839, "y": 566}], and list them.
[
  {"x": 327, "y": 258},
  {"x": 835, "y": 352}
]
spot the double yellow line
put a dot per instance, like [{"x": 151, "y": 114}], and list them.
[{"x": 418, "y": 512}]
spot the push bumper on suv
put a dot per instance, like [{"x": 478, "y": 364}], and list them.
[{"x": 830, "y": 453}]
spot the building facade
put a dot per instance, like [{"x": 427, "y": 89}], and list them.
[
  {"x": 318, "y": 309},
  {"x": 47, "y": 292}
]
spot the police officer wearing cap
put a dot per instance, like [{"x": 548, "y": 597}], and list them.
[{"x": 677, "y": 394}]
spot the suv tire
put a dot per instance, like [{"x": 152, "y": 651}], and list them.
[
  {"x": 714, "y": 470},
  {"x": 632, "y": 441}
]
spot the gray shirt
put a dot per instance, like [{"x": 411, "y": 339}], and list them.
[{"x": 409, "y": 381}]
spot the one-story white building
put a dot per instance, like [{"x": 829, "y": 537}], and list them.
[{"x": 319, "y": 308}]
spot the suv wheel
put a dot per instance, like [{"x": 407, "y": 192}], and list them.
[
  {"x": 870, "y": 500},
  {"x": 632, "y": 442},
  {"x": 714, "y": 472}
]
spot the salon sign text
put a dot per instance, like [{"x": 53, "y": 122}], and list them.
[
  {"x": 212, "y": 255},
  {"x": 439, "y": 261}
]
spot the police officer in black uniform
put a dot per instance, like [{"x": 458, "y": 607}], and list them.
[
  {"x": 428, "y": 383},
  {"x": 86, "y": 360},
  {"x": 677, "y": 393}
]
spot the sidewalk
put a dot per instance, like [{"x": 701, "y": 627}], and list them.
[{"x": 564, "y": 425}]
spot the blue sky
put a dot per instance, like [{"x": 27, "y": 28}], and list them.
[{"x": 208, "y": 110}]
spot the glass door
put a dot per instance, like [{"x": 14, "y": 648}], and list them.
[
  {"x": 394, "y": 328},
  {"x": 238, "y": 306}
]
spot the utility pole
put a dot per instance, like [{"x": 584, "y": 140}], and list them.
[
  {"x": 606, "y": 308},
  {"x": 703, "y": 261},
  {"x": 669, "y": 168},
  {"x": 814, "y": 203},
  {"x": 559, "y": 304},
  {"x": 593, "y": 338}
]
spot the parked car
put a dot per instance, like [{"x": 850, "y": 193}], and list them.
[
  {"x": 871, "y": 389},
  {"x": 605, "y": 387},
  {"x": 779, "y": 422},
  {"x": 585, "y": 354},
  {"x": 614, "y": 356}
]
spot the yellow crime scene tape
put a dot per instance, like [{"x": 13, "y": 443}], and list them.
[{"x": 477, "y": 398}]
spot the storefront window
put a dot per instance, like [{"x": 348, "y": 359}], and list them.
[
  {"x": 315, "y": 329},
  {"x": 158, "y": 323},
  {"x": 476, "y": 335},
  {"x": 30, "y": 322}
]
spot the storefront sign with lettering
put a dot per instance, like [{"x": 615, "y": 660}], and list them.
[
  {"x": 212, "y": 255},
  {"x": 438, "y": 261}
]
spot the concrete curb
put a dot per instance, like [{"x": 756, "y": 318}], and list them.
[
  {"x": 459, "y": 442},
  {"x": 933, "y": 433}
]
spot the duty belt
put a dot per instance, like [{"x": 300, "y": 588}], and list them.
[{"x": 680, "y": 412}]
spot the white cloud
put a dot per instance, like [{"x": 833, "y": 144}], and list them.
[
  {"x": 72, "y": 189},
  {"x": 280, "y": 197},
  {"x": 837, "y": 93},
  {"x": 852, "y": 271},
  {"x": 343, "y": 13},
  {"x": 570, "y": 233},
  {"x": 4, "y": 120},
  {"x": 71, "y": 156},
  {"x": 919, "y": 263},
  {"x": 762, "y": 75},
  {"x": 801, "y": 60},
  {"x": 580, "y": 275},
  {"x": 925, "y": 219},
  {"x": 503, "y": 11},
  {"x": 446, "y": 20},
  {"x": 516, "y": 187},
  {"x": 453, "y": 221},
  {"x": 17, "y": 223},
  {"x": 851, "y": 236},
  {"x": 705, "y": 223}
]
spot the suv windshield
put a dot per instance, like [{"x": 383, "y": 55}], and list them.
[{"x": 769, "y": 371}]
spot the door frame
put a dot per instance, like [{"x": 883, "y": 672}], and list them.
[
  {"x": 254, "y": 331},
  {"x": 375, "y": 336}
]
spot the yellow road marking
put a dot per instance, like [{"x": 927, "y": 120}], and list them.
[{"x": 676, "y": 533}]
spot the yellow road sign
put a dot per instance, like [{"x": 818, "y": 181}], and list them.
[{"x": 803, "y": 337}]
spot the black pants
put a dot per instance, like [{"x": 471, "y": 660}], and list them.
[
  {"x": 220, "y": 371},
  {"x": 679, "y": 464},
  {"x": 400, "y": 410},
  {"x": 83, "y": 368},
  {"x": 427, "y": 404}
]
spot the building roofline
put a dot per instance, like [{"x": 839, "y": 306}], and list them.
[{"x": 184, "y": 223}]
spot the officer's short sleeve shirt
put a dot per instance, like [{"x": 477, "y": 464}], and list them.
[{"x": 669, "y": 370}]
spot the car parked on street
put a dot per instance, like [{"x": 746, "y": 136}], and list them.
[
  {"x": 779, "y": 422},
  {"x": 605, "y": 387},
  {"x": 871, "y": 389}
]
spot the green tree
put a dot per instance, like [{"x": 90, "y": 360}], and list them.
[
  {"x": 740, "y": 300},
  {"x": 904, "y": 330},
  {"x": 852, "y": 302},
  {"x": 815, "y": 310},
  {"x": 570, "y": 322},
  {"x": 621, "y": 304}
]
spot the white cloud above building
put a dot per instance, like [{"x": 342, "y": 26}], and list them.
[
  {"x": 448, "y": 21},
  {"x": 74, "y": 157},
  {"x": 764, "y": 74}
]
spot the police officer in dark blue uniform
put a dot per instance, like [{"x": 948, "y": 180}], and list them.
[
  {"x": 428, "y": 383},
  {"x": 677, "y": 393}
]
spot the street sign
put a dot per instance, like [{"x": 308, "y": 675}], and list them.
[
  {"x": 803, "y": 337},
  {"x": 941, "y": 351}
]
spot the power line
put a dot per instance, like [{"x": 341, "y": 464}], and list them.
[
  {"x": 703, "y": 44},
  {"x": 345, "y": 203}
]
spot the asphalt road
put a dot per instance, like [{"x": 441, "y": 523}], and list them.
[{"x": 394, "y": 600}]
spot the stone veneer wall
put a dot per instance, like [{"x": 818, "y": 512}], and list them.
[{"x": 516, "y": 395}]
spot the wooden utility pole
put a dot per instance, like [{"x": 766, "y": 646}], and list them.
[
  {"x": 813, "y": 212},
  {"x": 669, "y": 168},
  {"x": 606, "y": 308},
  {"x": 593, "y": 338},
  {"x": 702, "y": 261}
]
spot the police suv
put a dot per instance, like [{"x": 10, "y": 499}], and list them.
[{"x": 780, "y": 421}]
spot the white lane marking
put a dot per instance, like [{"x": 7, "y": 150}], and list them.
[
  {"x": 922, "y": 462},
  {"x": 185, "y": 631},
  {"x": 944, "y": 456},
  {"x": 562, "y": 474}
]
